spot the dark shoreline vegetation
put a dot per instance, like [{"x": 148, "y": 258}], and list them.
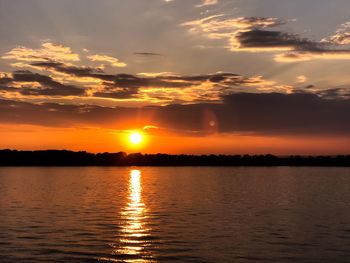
[{"x": 70, "y": 158}]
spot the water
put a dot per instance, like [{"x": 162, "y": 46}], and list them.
[{"x": 174, "y": 215}]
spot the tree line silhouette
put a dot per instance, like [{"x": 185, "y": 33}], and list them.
[{"x": 82, "y": 158}]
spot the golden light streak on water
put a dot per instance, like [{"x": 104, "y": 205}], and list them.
[{"x": 133, "y": 238}]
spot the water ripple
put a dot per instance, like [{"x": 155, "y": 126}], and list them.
[{"x": 193, "y": 214}]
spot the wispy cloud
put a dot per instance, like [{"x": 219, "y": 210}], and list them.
[
  {"x": 301, "y": 79},
  {"x": 208, "y": 2},
  {"x": 300, "y": 56},
  {"x": 253, "y": 34},
  {"x": 49, "y": 52},
  {"x": 107, "y": 59},
  {"x": 218, "y": 26}
]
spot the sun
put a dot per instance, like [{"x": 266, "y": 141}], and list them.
[{"x": 135, "y": 138}]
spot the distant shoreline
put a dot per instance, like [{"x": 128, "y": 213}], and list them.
[{"x": 64, "y": 158}]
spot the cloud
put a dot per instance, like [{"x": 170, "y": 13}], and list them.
[
  {"x": 149, "y": 54},
  {"x": 46, "y": 85},
  {"x": 300, "y": 56},
  {"x": 156, "y": 74},
  {"x": 301, "y": 79},
  {"x": 48, "y": 51},
  {"x": 51, "y": 52},
  {"x": 150, "y": 127},
  {"x": 218, "y": 26},
  {"x": 159, "y": 88},
  {"x": 243, "y": 113},
  {"x": 262, "y": 40},
  {"x": 341, "y": 37},
  {"x": 335, "y": 93},
  {"x": 68, "y": 69},
  {"x": 253, "y": 34},
  {"x": 50, "y": 71},
  {"x": 48, "y": 79},
  {"x": 208, "y": 2},
  {"x": 107, "y": 59}
]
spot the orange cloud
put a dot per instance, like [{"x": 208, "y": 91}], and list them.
[
  {"x": 208, "y": 2},
  {"x": 299, "y": 56},
  {"x": 48, "y": 51},
  {"x": 341, "y": 36},
  {"x": 107, "y": 59}
]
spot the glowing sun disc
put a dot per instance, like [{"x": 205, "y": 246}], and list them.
[{"x": 135, "y": 138}]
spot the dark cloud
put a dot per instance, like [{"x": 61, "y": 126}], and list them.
[
  {"x": 94, "y": 82},
  {"x": 254, "y": 34},
  {"x": 298, "y": 49},
  {"x": 335, "y": 93},
  {"x": 49, "y": 87},
  {"x": 70, "y": 70},
  {"x": 269, "y": 113},
  {"x": 124, "y": 86},
  {"x": 264, "y": 39},
  {"x": 118, "y": 94},
  {"x": 8, "y": 88},
  {"x": 288, "y": 113},
  {"x": 127, "y": 80},
  {"x": 120, "y": 80},
  {"x": 216, "y": 77},
  {"x": 5, "y": 81},
  {"x": 163, "y": 88},
  {"x": 150, "y": 54}
]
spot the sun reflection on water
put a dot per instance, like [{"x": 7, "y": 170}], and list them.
[{"x": 134, "y": 238}]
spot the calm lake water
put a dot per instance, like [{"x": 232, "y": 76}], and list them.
[{"x": 174, "y": 215}]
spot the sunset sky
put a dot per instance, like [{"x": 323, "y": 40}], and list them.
[{"x": 191, "y": 76}]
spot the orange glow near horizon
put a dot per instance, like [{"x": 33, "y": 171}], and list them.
[{"x": 30, "y": 137}]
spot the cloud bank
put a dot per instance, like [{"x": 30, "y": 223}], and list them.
[
  {"x": 56, "y": 71},
  {"x": 243, "y": 113}
]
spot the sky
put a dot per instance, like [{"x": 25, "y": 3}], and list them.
[{"x": 193, "y": 76}]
